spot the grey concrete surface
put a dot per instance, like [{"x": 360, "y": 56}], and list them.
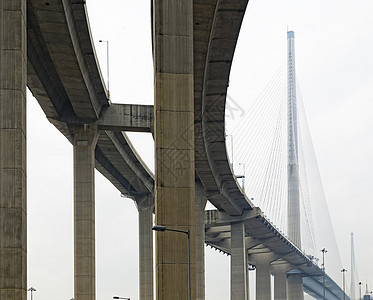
[
  {"x": 238, "y": 262},
  {"x": 85, "y": 139},
  {"x": 280, "y": 285},
  {"x": 200, "y": 241},
  {"x": 13, "y": 210},
  {"x": 145, "y": 207},
  {"x": 174, "y": 147}
]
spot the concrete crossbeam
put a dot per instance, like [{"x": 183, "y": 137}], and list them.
[
  {"x": 13, "y": 219},
  {"x": 215, "y": 217},
  {"x": 127, "y": 117}
]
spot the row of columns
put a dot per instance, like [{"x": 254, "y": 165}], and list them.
[
  {"x": 286, "y": 286},
  {"x": 176, "y": 189}
]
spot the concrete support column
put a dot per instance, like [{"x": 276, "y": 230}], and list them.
[
  {"x": 174, "y": 147},
  {"x": 238, "y": 262},
  {"x": 13, "y": 223},
  {"x": 263, "y": 278},
  {"x": 247, "y": 279},
  {"x": 280, "y": 285},
  {"x": 200, "y": 242},
  {"x": 85, "y": 140},
  {"x": 295, "y": 287},
  {"x": 145, "y": 208}
]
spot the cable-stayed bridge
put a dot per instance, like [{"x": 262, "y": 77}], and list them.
[
  {"x": 191, "y": 83},
  {"x": 263, "y": 143}
]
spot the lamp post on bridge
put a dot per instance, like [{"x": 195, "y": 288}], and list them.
[
  {"x": 231, "y": 135},
  {"x": 242, "y": 176},
  {"x": 31, "y": 290},
  {"x": 163, "y": 228},
  {"x": 107, "y": 65},
  {"x": 360, "y": 283},
  {"x": 343, "y": 276},
  {"x": 323, "y": 270}
]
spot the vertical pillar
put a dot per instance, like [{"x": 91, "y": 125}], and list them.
[
  {"x": 200, "y": 242},
  {"x": 295, "y": 287},
  {"x": 247, "y": 278},
  {"x": 13, "y": 223},
  {"x": 280, "y": 286},
  {"x": 145, "y": 208},
  {"x": 293, "y": 168},
  {"x": 238, "y": 262},
  {"x": 263, "y": 277},
  {"x": 85, "y": 140},
  {"x": 174, "y": 146}
]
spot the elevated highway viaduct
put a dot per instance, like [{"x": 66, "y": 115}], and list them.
[{"x": 50, "y": 50}]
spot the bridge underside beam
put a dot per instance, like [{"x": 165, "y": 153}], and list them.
[{"x": 127, "y": 117}]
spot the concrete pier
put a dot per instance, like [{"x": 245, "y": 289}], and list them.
[
  {"x": 295, "y": 287},
  {"x": 13, "y": 222},
  {"x": 238, "y": 262},
  {"x": 263, "y": 276},
  {"x": 174, "y": 147},
  {"x": 280, "y": 285},
  {"x": 200, "y": 241},
  {"x": 85, "y": 140},
  {"x": 145, "y": 209}
]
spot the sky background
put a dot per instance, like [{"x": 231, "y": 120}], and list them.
[{"x": 334, "y": 46}]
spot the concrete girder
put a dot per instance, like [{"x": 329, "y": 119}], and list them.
[
  {"x": 211, "y": 82},
  {"x": 141, "y": 177},
  {"x": 127, "y": 117},
  {"x": 72, "y": 62}
]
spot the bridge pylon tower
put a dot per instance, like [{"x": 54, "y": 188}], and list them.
[
  {"x": 353, "y": 270},
  {"x": 295, "y": 283}
]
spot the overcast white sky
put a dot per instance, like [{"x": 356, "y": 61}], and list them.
[{"x": 334, "y": 47}]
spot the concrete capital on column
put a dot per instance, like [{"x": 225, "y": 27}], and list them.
[
  {"x": 85, "y": 135},
  {"x": 263, "y": 274},
  {"x": 84, "y": 139},
  {"x": 144, "y": 202}
]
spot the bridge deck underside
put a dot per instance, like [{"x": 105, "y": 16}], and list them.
[{"x": 262, "y": 237}]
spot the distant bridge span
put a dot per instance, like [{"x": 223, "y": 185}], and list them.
[{"x": 64, "y": 76}]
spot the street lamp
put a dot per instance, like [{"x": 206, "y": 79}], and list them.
[
  {"x": 117, "y": 297},
  {"x": 31, "y": 289},
  {"x": 163, "y": 228},
  {"x": 360, "y": 283},
  {"x": 231, "y": 135},
  {"x": 323, "y": 270},
  {"x": 107, "y": 64},
  {"x": 343, "y": 273},
  {"x": 242, "y": 176}
]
